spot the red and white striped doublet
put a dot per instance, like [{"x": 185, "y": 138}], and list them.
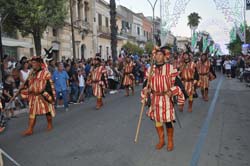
[
  {"x": 128, "y": 79},
  {"x": 203, "y": 69},
  {"x": 41, "y": 98},
  {"x": 162, "y": 81},
  {"x": 99, "y": 80},
  {"x": 187, "y": 71}
]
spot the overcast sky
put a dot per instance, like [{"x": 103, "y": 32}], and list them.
[{"x": 212, "y": 21}]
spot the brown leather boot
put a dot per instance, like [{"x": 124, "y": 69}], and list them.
[
  {"x": 206, "y": 95},
  {"x": 203, "y": 93},
  {"x": 133, "y": 91},
  {"x": 190, "y": 106},
  {"x": 101, "y": 103},
  {"x": 160, "y": 132},
  {"x": 181, "y": 108},
  {"x": 170, "y": 133},
  {"x": 127, "y": 92},
  {"x": 98, "y": 103},
  {"x": 29, "y": 131},
  {"x": 49, "y": 120}
]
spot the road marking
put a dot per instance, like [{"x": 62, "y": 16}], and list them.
[{"x": 204, "y": 129}]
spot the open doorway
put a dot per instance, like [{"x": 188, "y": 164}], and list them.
[{"x": 83, "y": 51}]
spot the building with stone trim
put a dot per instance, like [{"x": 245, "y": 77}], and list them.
[{"x": 91, "y": 21}]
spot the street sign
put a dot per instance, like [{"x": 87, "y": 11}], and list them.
[{"x": 247, "y": 4}]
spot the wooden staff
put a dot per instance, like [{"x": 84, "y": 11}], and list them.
[{"x": 144, "y": 99}]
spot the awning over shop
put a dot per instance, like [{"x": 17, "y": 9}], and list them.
[{"x": 16, "y": 43}]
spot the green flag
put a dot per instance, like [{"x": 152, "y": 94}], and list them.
[
  {"x": 233, "y": 34},
  {"x": 205, "y": 44},
  {"x": 194, "y": 40},
  {"x": 211, "y": 49}
]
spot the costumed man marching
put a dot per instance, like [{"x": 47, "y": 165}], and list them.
[
  {"x": 176, "y": 61},
  {"x": 189, "y": 76},
  {"x": 40, "y": 92},
  {"x": 161, "y": 90},
  {"x": 99, "y": 80},
  {"x": 128, "y": 77},
  {"x": 206, "y": 74}
]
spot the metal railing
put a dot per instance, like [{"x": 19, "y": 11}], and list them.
[{"x": 103, "y": 29}]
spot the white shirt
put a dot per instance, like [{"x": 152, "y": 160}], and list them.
[
  {"x": 227, "y": 65},
  {"x": 81, "y": 81},
  {"x": 110, "y": 73},
  {"x": 218, "y": 61},
  {"x": 25, "y": 74}
]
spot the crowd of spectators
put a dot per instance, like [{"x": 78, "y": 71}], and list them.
[{"x": 232, "y": 66}]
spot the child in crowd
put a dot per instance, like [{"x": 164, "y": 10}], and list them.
[
  {"x": 81, "y": 80},
  {"x": 8, "y": 92}
]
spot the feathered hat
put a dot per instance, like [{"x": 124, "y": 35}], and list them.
[{"x": 37, "y": 59}]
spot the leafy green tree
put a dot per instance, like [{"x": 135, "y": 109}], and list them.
[
  {"x": 33, "y": 16},
  {"x": 235, "y": 46},
  {"x": 193, "y": 21},
  {"x": 149, "y": 46},
  {"x": 132, "y": 48}
]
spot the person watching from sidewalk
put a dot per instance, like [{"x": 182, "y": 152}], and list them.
[
  {"x": 81, "y": 79},
  {"x": 74, "y": 82},
  {"x": 8, "y": 93},
  {"x": 24, "y": 72},
  {"x": 61, "y": 81},
  {"x": 228, "y": 66}
]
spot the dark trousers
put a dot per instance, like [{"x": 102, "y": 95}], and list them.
[
  {"x": 112, "y": 84},
  {"x": 64, "y": 96},
  {"x": 74, "y": 92}
]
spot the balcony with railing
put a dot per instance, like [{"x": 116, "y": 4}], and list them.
[
  {"x": 141, "y": 38},
  {"x": 104, "y": 29},
  {"x": 127, "y": 33}
]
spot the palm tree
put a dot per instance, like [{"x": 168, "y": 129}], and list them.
[
  {"x": 193, "y": 21},
  {"x": 113, "y": 28}
]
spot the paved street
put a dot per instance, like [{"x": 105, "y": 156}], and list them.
[{"x": 215, "y": 134}]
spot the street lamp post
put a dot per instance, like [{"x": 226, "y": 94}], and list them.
[{"x": 153, "y": 9}]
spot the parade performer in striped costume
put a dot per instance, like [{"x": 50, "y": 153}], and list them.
[
  {"x": 161, "y": 90},
  {"x": 128, "y": 77},
  {"x": 99, "y": 80},
  {"x": 40, "y": 92},
  {"x": 176, "y": 61},
  {"x": 189, "y": 76},
  {"x": 206, "y": 74}
]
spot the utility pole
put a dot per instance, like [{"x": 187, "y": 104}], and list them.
[
  {"x": 1, "y": 51},
  {"x": 153, "y": 10},
  {"x": 72, "y": 30},
  {"x": 245, "y": 23},
  {"x": 94, "y": 28}
]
